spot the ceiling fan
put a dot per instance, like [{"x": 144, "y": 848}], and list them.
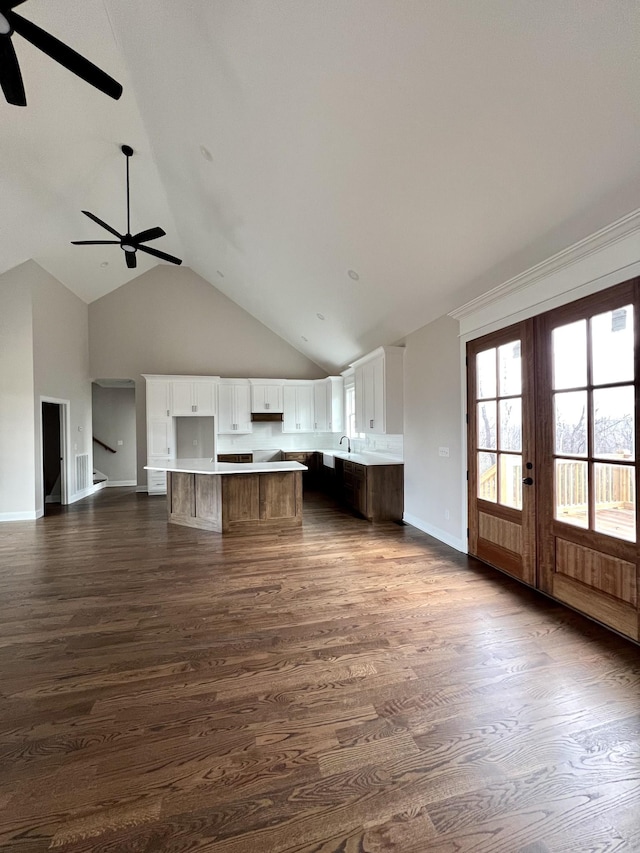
[
  {"x": 10, "y": 75},
  {"x": 129, "y": 243}
]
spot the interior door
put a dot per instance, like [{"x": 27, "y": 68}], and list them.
[
  {"x": 502, "y": 473},
  {"x": 588, "y": 422}
]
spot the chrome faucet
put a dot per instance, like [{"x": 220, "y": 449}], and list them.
[{"x": 348, "y": 442}]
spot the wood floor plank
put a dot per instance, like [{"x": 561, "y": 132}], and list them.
[{"x": 337, "y": 687}]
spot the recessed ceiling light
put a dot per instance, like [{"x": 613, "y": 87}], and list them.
[
  {"x": 221, "y": 274},
  {"x": 320, "y": 316},
  {"x": 353, "y": 274},
  {"x": 206, "y": 153},
  {"x": 104, "y": 264},
  {"x": 306, "y": 340}
]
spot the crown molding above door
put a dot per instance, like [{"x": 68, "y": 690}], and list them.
[{"x": 600, "y": 260}]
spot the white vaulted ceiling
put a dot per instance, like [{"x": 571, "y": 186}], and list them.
[{"x": 436, "y": 147}]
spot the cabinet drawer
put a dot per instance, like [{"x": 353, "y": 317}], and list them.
[
  {"x": 235, "y": 457},
  {"x": 302, "y": 458}
]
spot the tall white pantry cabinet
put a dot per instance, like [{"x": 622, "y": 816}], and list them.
[{"x": 169, "y": 397}]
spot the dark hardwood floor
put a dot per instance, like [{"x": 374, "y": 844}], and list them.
[{"x": 339, "y": 687}]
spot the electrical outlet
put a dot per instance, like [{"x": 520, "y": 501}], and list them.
[
  {"x": 195, "y": 442},
  {"x": 120, "y": 442},
  {"x": 443, "y": 451}
]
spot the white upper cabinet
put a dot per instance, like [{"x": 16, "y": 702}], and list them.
[
  {"x": 158, "y": 398},
  {"x": 379, "y": 391},
  {"x": 234, "y": 408},
  {"x": 320, "y": 406},
  {"x": 328, "y": 404},
  {"x": 193, "y": 397},
  {"x": 298, "y": 408},
  {"x": 267, "y": 396}
]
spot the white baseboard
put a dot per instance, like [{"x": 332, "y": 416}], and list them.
[
  {"x": 110, "y": 483},
  {"x": 442, "y": 535},
  {"x": 84, "y": 493},
  {"x": 30, "y": 515}
]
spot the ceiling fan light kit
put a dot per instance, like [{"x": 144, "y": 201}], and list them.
[
  {"x": 10, "y": 75},
  {"x": 129, "y": 243}
]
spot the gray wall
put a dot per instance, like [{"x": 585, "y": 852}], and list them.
[
  {"x": 60, "y": 363},
  {"x": 171, "y": 321},
  {"x": 44, "y": 352},
  {"x": 17, "y": 436},
  {"x": 114, "y": 420},
  {"x": 434, "y": 485}
]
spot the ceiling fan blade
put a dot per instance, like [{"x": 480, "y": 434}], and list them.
[
  {"x": 132, "y": 262},
  {"x": 10, "y": 76},
  {"x": 95, "y": 242},
  {"x": 162, "y": 255},
  {"x": 66, "y": 56},
  {"x": 149, "y": 234},
  {"x": 102, "y": 224}
]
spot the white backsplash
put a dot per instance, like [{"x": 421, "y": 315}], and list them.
[{"x": 269, "y": 436}]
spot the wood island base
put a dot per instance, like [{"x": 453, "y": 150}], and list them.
[{"x": 235, "y": 502}]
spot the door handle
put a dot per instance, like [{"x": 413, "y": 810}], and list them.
[{"x": 528, "y": 481}]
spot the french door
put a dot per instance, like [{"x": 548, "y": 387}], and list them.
[
  {"x": 502, "y": 510},
  {"x": 553, "y": 431}
]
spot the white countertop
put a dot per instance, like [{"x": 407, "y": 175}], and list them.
[
  {"x": 364, "y": 458},
  {"x": 206, "y": 466}
]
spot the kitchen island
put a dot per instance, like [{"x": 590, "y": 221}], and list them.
[{"x": 228, "y": 496}]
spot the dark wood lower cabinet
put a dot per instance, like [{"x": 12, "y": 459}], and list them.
[
  {"x": 374, "y": 491},
  {"x": 235, "y": 457},
  {"x": 228, "y": 502},
  {"x": 310, "y": 458}
]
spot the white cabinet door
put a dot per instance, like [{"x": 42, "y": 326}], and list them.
[
  {"x": 335, "y": 403},
  {"x": 182, "y": 401},
  {"x": 267, "y": 398},
  {"x": 243, "y": 409},
  {"x": 369, "y": 379},
  {"x": 298, "y": 408},
  {"x": 225, "y": 409},
  {"x": 158, "y": 398},
  {"x": 234, "y": 414},
  {"x": 321, "y": 403},
  {"x": 358, "y": 376},
  {"x": 204, "y": 397},
  {"x": 305, "y": 408},
  {"x": 378, "y": 392},
  {"x": 290, "y": 419},
  {"x": 191, "y": 397},
  {"x": 159, "y": 437}
]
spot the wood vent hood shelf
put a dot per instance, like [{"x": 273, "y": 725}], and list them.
[{"x": 267, "y": 416}]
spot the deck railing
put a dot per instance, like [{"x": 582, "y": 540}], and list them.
[{"x": 614, "y": 486}]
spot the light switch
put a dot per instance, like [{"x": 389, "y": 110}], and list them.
[{"x": 120, "y": 442}]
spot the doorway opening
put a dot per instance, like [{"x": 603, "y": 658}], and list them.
[{"x": 53, "y": 455}]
